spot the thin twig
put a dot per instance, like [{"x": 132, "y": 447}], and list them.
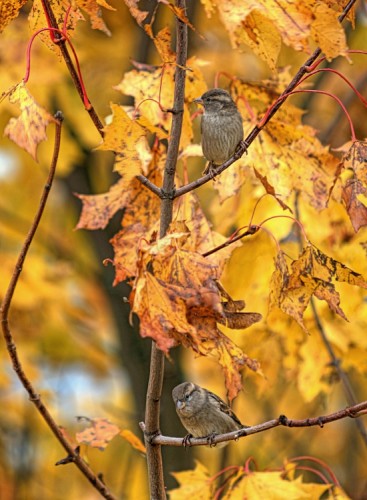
[
  {"x": 154, "y": 392},
  {"x": 351, "y": 412},
  {"x": 34, "y": 397}
]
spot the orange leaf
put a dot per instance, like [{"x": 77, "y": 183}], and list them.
[
  {"x": 133, "y": 440},
  {"x": 99, "y": 434},
  {"x": 29, "y": 129},
  {"x": 9, "y": 10},
  {"x": 92, "y": 7},
  {"x": 177, "y": 300}
]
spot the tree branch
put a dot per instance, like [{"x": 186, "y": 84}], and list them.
[
  {"x": 268, "y": 115},
  {"x": 34, "y": 397},
  {"x": 154, "y": 456},
  {"x": 351, "y": 412}
]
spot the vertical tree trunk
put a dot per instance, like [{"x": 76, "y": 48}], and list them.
[{"x": 154, "y": 392}]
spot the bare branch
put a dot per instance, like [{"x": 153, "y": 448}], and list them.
[
  {"x": 34, "y": 397},
  {"x": 351, "y": 412}
]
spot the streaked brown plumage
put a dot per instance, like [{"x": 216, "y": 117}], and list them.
[
  {"x": 203, "y": 413},
  {"x": 221, "y": 127}
]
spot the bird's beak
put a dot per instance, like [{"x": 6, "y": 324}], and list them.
[
  {"x": 199, "y": 101},
  {"x": 180, "y": 404}
]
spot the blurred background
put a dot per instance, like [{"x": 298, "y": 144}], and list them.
[{"x": 72, "y": 326}]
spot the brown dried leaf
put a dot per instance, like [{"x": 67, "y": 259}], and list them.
[
  {"x": 138, "y": 15},
  {"x": 312, "y": 274},
  {"x": 354, "y": 190},
  {"x": 357, "y": 210},
  {"x": 177, "y": 300}
]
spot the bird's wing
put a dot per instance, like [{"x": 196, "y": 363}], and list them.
[{"x": 222, "y": 406}]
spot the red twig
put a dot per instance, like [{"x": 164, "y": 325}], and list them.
[
  {"x": 336, "y": 72},
  {"x": 321, "y": 463},
  {"x": 65, "y": 37},
  {"x": 283, "y": 97}
]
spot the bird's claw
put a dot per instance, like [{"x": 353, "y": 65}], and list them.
[
  {"x": 210, "y": 169},
  {"x": 210, "y": 439},
  {"x": 242, "y": 144},
  {"x": 187, "y": 440}
]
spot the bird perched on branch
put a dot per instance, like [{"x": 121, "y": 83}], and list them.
[
  {"x": 202, "y": 413},
  {"x": 221, "y": 127}
]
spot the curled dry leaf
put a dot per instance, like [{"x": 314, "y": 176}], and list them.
[
  {"x": 312, "y": 274},
  {"x": 354, "y": 189}
]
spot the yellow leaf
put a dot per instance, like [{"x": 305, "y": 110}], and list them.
[
  {"x": 37, "y": 19},
  {"x": 272, "y": 486},
  {"x": 127, "y": 139},
  {"x": 193, "y": 483},
  {"x": 29, "y": 129},
  {"x": 327, "y": 31},
  {"x": 162, "y": 41},
  {"x": 133, "y": 440}
]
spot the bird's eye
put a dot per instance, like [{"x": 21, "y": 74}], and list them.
[
  {"x": 187, "y": 397},
  {"x": 209, "y": 99}
]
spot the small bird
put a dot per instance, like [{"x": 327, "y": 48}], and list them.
[
  {"x": 221, "y": 127},
  {"x": 202, "y": 413}
]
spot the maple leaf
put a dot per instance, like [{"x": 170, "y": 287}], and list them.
[
  {"x": 253, "y": 485},
  {"x": 195, "y": 483},
  {"x": 29, "y": 129},
  {"x": 162, "y": 42},
  {"x": 127, "y": 139},
  {"x": 312, "y": 274},
  {"x": 354, "y": 190},
  {"x": 177, "y": 299},
  {"x": 262, "y": 25},
  {"x": 38, "y": 21},
  {"x": 98, "y": 435},
  {"x": 9, "y": 10},
  {"x": 292, "y": 158},
  {"x": 153, "y": 91}
]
